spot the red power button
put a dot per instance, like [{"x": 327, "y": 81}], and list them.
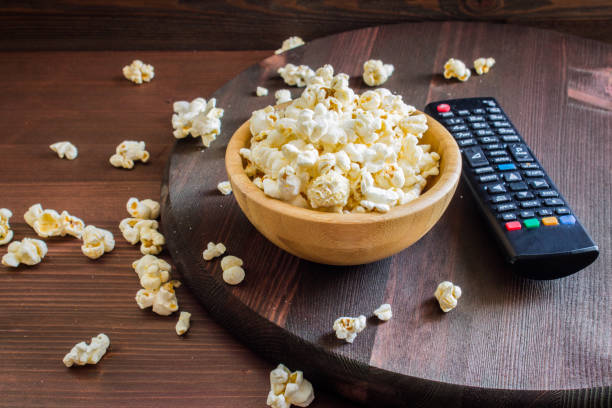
[{"x": 443, "y": 107}]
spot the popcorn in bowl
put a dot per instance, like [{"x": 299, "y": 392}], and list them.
[{"x": 332, "y": 150}]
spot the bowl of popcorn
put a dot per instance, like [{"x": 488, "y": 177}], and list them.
[{"x": 339, "y": 178}]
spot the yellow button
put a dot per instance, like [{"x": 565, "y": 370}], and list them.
[{"x": 548, "y": 221}]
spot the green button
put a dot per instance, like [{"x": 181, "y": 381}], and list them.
[{"x": 532, "y": 223}]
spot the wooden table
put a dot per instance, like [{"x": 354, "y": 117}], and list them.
[{"x": 81, "y": 97}]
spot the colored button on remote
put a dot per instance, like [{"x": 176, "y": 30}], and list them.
[
  {"x": 531, "y": 223},
  {"x": 509, "y": 166},
  {"x": 550, "y": 221},
  {"x": 513, "y": 225},
  {"x": 567, "y": 219},
  {"x": 443, "y": 107}
]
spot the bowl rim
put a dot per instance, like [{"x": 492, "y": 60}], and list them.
[{"x": 240, "y": 181}]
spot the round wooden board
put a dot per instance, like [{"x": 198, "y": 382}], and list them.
[{"x": 511, "y": 341}]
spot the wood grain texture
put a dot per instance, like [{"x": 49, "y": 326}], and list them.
[
  {"x": 46, "y": 309},
  {"x": 511, "y": 342},
  {"x": 244, "y": 25}
]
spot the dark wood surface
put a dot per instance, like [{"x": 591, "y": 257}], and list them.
[
  {"x": 46, "y": 309},
  {"x": 247, "y": 25},
  {"x": 511, "y": 342}
]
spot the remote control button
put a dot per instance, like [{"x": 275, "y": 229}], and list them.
[
  {"x": 493, "y": 146},
  {"x": 512, "y": 176},
  {"x": 496, "y": 153},
  {"x": 513, "y": 226},
  {"x": 483, "y": 170},
  {"x": 479, "y": 125},
  {"x": 457, "y": 128},
  {"x": 495, "y": 117},
  {"x": 488, "y": 178},
  {"x": 443, "y": 107},
  {"x": 453, "y": 121},
  {"x": 545, "y": 212},
  {"x": 475, "y": 118},
  {"x": 504, "y": 167},
  {"x": 495, "y": 188},
  {"x": 520, "y": 152},
  {"x": 499, "y": 124},
  {"x": 498, "y": 160},
  {"x": 485, "y": 132},
  {"x": 478, "y": 111},
  {"x": 567, "y": 220},
  {"x": 550, "y": 221},
  {"x": 506, "y": 207},
  {"x": 527, "y": 214},
  {"x": 548, "y": 194},
  {"x": 493, "y": 110},
  {"x": 488, "y": 139},
  {"x": 446, "y": 114},
  {"x": 509, "y": 139},
  {"x": 506, "y": 131},
  {"x": 530, "y": 204},
  {"x": 475, "y": 156},
  {"x": 500, "y": 198},
  {"x": 466, "y": 142},
  {"x": 463, "y": 112},
  {"x": 507, "y": 216},
  {"x": 524, "y": 195},
  {"x": 462, "y": 135},
  {"x": 534, "y": 173},
  {"x": 553, "y": 202},
  {"x": 538, "y": 184},
  {"x": 531, "y": 223},
  {"x": 526, "y": 166},
  {"x": 488, "y": 102},
  {"x": 562, "y": 211},
  {"x": 520, "y": 186}
]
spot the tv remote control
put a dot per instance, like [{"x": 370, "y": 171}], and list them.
[{"x": 538, "y": 231}]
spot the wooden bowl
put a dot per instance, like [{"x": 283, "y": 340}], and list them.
[{"x": 346, "y": 239}]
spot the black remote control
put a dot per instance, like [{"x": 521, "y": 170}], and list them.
[{"x": 538, "y": 231}]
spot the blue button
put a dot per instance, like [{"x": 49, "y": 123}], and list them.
[
  {"x": 567, "y": 219},
  {"x": 508, "y": 166}
]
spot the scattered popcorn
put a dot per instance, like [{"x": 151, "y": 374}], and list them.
[
  {"x": 163, "y": 300},
  {"x": 348, "y": 327},
  {"x": 65, "y": 149},
  {"x": 128, "y": 152},
  {"x": 151, "y": 241},
  {"x": 145, "y": 210},
  {"x": 233, "y": 273},
  {"x": 290, "y": 43},
  {"x": 447, "y": 295},
  {"x": 288, "y": 388},
  {"x": 82, "y": 353},
  {"x": 48, "y": 223},
  {"x": 456, "y": 69},
  {"x": 96, "y": 241},
  {"x": 261, "y": 91},
  {"x": 28, "y": 251},
  {"x": 335, "y": 151},
  {"x": 482, "y": 65},
  {"x": 376, "y": 73},
  {"x": 152, "y": 271},
  {"x": 139, "y": 72},
  {"x": 282, "y": 96},
  {"x": 6, "y": 233},
  {"x": 183, "y": 323},
  {"x": 384, "y": 312},
  {"x": 131, "y": 228},
  {"x": 296, "y": 75},
  {"x": 224, "y": 187},
  {"x": 197, "y": 118},
  {"x": 213, "y": 250}
]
